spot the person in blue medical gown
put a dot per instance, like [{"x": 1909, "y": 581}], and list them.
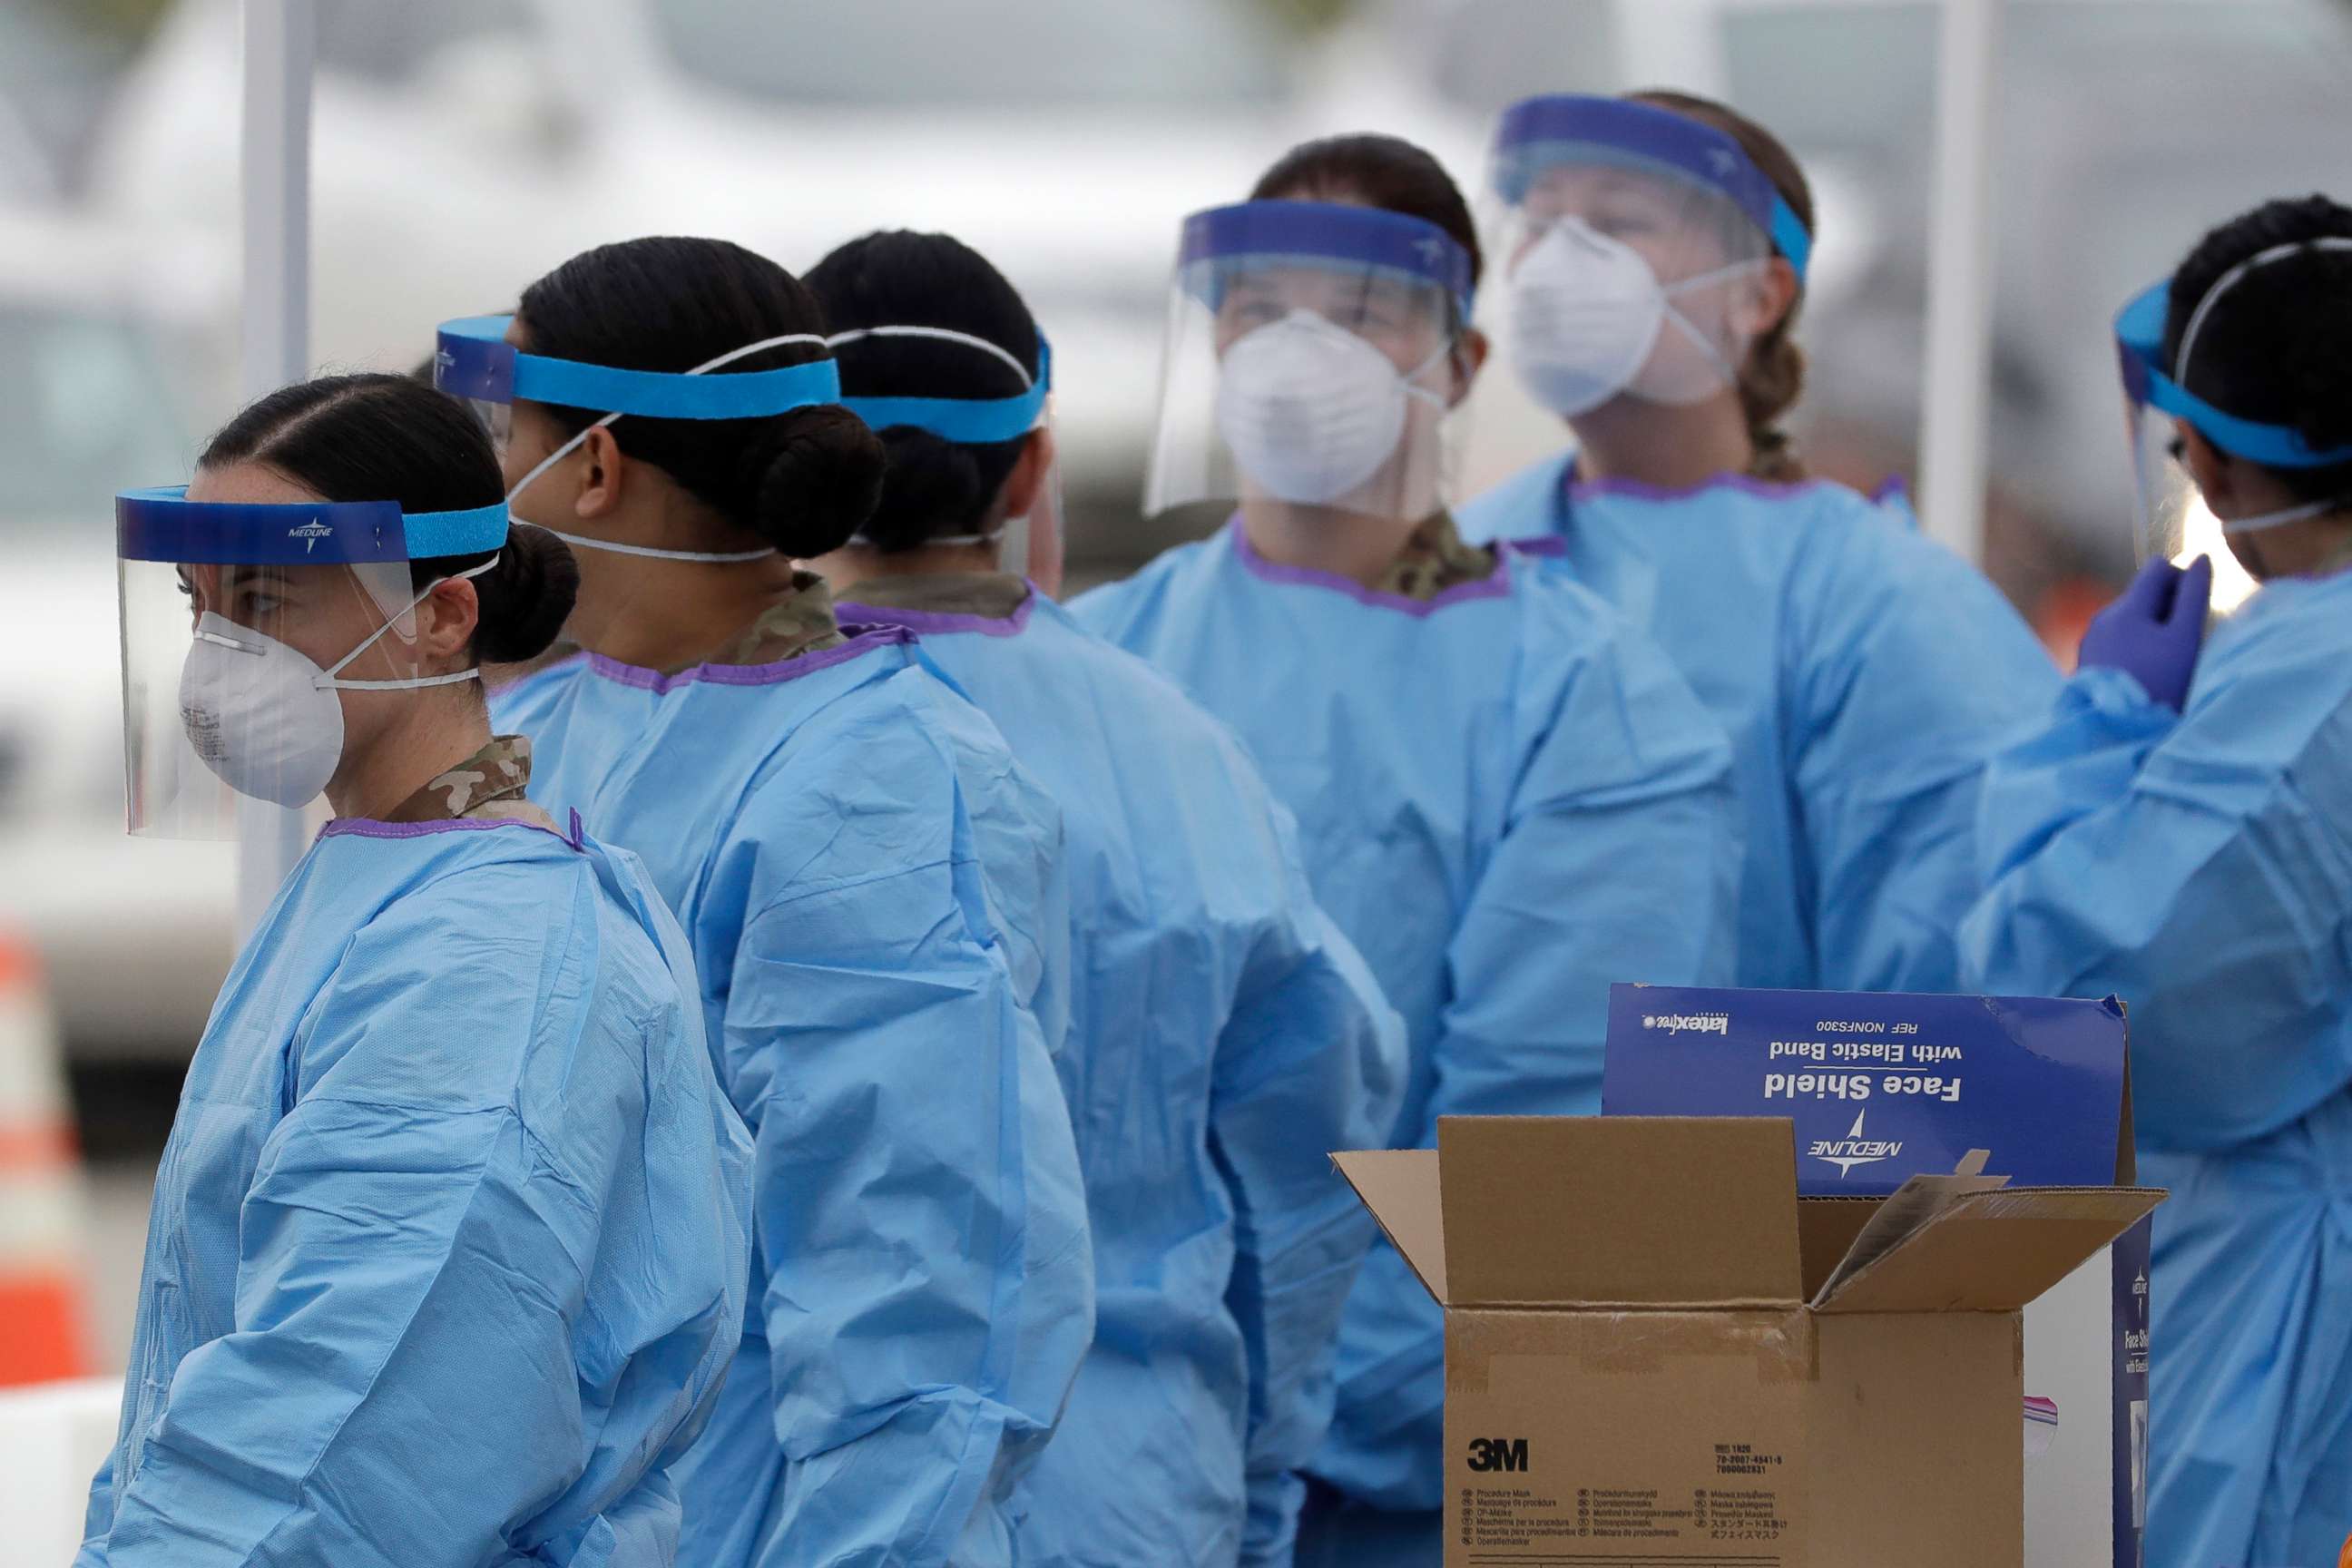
[
  {"x": 448, "y": 1249},
  {"x": 2179, "y": 833},
  {"x": 1653, "y": 253},
  {"x": 1506, "y": 795},
  {"x": 873, "y": 893},
  {"x": 1224, "y": 1037}
]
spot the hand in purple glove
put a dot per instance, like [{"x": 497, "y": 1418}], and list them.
[{"x": 2154, "y": 631}]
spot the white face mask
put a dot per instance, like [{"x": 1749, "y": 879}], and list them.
[
  {"x": 582, "y": 541},
  {"x": 1312, "y": 410},
  {"x": 263, "y": 717},
  {"x": 1586, "y": 312}
]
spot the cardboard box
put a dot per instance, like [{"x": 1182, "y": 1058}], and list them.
[
  {"x": 1656, "y": 1352},
  {"x": 1885, "y": 1087}
]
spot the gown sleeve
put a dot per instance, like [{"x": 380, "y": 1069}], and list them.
[
  {"x": 1311, "y": 1061},
  {"x": 1618, "y": 861},
  {"x": 399, "y": 1385},
  {"x": 916, "y": 1195},
  {"x": 1912, "y": 673},
  {"x": 2199, "y": 867}
]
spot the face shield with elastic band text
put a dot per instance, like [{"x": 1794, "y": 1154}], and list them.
[
  {"x": 1029, "y": 543},
  {"x": 247, "y": 628},
  {"x": 1311, "y": 359},
  {"x": 1633, "y": 243},
  {"x": 474, "y": 362},
  {"x": 2172, "y": 518}
]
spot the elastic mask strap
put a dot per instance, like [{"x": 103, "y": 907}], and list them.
[
  {"x": 1412, "y": 387},
  {"x": 941, "y": 538},
  {"x": 328, "y": 682},
  {"x": 1689, "y": 328},
  {"x": 582, "y": 541},
  {"x": 2284, "y": 515}
]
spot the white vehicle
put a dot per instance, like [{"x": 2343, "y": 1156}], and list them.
[
  {"x": 134, "y": 935},
  {"x": 462, "y": 147}
]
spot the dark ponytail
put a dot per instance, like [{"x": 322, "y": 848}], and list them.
[
  {"x": 1773, "y": 377},
  {"x": 388, "y": 437},
  {"x": 931, "y": 486},
  {"x": 2276, "y": 347},
  {"x": 803, "y": 480}
]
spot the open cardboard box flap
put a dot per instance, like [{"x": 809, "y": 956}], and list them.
[
  {"x": 1992, "y": 1250},
  {"x": 1677, "y": 1212}
]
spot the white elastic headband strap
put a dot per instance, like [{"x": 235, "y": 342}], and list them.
[
  {"x": 328, "y": 682},
  {"x": 582, "y": 541},
  {"x": 2229, "y": 281},
  {"x": 940, "y": 335}
]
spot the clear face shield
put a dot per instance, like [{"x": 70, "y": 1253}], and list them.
[
  {"x": 2172, "y": 518},
  {"x": 1029, "y": 543},
  {"x": 253, "y": 635},
  {"x": 1312, "y": 359},
  {"x": 476, "y": 359},
  {"x": 1636, "y": 246}
]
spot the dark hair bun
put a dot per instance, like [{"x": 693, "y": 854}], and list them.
[
  {"x": 929, "y": 479},
  {"x": 809, "y": 478},
  {"x": 526, "y": 597}
]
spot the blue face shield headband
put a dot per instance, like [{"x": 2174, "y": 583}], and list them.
[
  {"x": 1537, "y": 133},
  {"x": 161, "y": 524},
  {"x": 1220, "y": 241},
  {"x": 2140, "y": 346},
  {"x": 474, "y": 361},
  {"x": 966, "y": 421}
]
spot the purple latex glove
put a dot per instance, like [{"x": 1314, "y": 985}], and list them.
[{"x": 2154, "y": 631}]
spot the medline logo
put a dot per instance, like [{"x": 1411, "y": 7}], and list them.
[
  {"x": 310, "y": 533},
  {"x": 1853, "y": 1149},
  {"x": 1695, "y": 1023}
]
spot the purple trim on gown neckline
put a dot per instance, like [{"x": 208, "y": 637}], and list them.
[
  {"x": 865, "y": 642},
  {"x": 1637, "y": 490},
  {"x": 936, "y": 623},
  {"x": 1497, "y": 585},
  {"x": 371, "y": 828}
]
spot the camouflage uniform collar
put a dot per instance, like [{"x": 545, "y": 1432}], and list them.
[
  {"x": 488, "y": 786},
  {"x": 800, "y": 622},
  {"x": 1434, "y": 558},
  {"x": 992, "y": 595}
]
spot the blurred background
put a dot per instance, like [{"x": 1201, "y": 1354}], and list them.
[{"x": 462, "y": 147}]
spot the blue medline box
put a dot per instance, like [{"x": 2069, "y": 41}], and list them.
[{"x": 1883, "y": 1087}]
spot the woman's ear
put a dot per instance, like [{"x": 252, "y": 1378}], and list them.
[
  {"x": 446, "y": 619},
  {"x": 1469, "y": 357},
  {"x": 603, "y": 471},
  {"x": 1028, "y": 476},
  {"x": 1766, "y": 298}
]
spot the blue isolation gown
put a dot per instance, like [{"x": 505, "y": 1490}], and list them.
[
  {"x": 1508, "y": 801},
  {"x": 447, "y": 1254},
  {"x": 873, "y": 897},
  {"x": 1864, "y": 674},
  {"x": 2199, "y": 864},
  {"x": 1224, "y": 1038}
]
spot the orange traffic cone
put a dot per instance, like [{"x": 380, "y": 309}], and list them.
[{"x": 44, "y": 1330}]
